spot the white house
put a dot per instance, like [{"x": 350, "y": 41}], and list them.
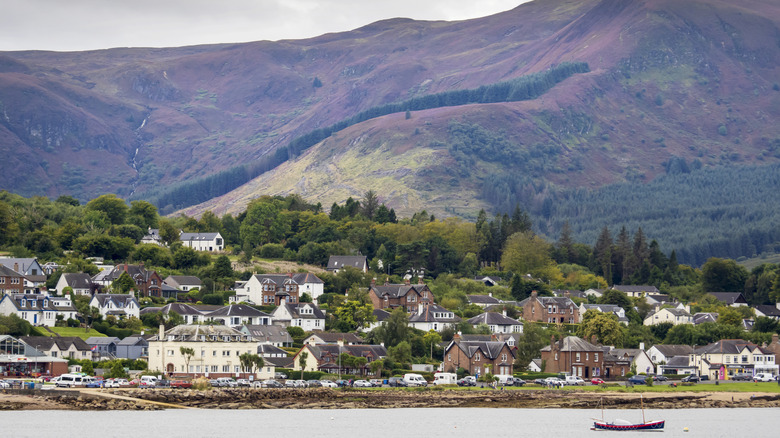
[
  {"x": 80, "y": 282},
  {"x": 190, "y": 314},
  {"x": 498, "y": 322},
  {"x": 675, "y": 316},
  {"x": 618, "y": 311},
  {"x": 337, "y": 263},
  {"x": 638, "y": 358},
  {"x": 184, "y": 283},
  {"x": 661, "y": 354},
  {"x": 307, "y": 316},
  {"x": 203, "y": 241},
  {"x": 236, "y": 315},
  {"x": 119, "y": 305},
  {"x": 260, "y": 285},
  {"x": 433, "y": 317},
  {"x": 37, "y": 309}
]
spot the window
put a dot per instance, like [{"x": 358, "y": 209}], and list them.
[
  {"x": 556, "y": 355},
  {"x": 214, "y": 368},
  {"x": 225, "y": 368},
  {"x": 449, "y": 357},
  {"x": 477, "y": 357},
  {"x": 214, "y": 353},
  {"x": 744, "y": 359},
  {"x": 503, "y": 357},
  {"x": 596, "y": 357},
  {"x": 728, "y": 359},
  {"x": 587, "y": 356},
  {"x": 578, "y": 357},
  {"x": 170, "y": 352}
]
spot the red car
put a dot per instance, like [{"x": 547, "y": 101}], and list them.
[
  {"x": 596, "y": 381},
  {"x": 181, "y": 384}
]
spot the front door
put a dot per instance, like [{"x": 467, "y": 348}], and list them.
[{"x": 587, "y": 372}]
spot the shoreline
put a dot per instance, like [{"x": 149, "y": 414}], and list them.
[{"x": 224, "y": 398}]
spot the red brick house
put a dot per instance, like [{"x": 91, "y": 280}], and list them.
[
  {"x": 558, "y": 310},
  {"x": 148, "y": 283},
  {"x": 11, "y": 282},
  {"x": 408, "y": 296},
  {"x": 579, "y": 357},
  {"x": 479, "y": 357}
]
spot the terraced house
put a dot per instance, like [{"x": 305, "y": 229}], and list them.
[{"x": 479, "y": 357}]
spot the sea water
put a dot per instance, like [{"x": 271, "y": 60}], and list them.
[{"x": 381, "y": 423}]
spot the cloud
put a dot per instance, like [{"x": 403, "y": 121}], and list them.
[{"x": 96, "y": 24}]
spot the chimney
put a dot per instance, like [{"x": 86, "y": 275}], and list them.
[
  {"x": 419, "y": 280},
  {"x": 594, "y": 340},
  {"x": 419, "y": 308},
  {"x": 408, "y": 281},
  {"x": 504, "y": 311},
  {"x": 642, "y": 346},
  {"x": 490, "y": 294},
  {"x": 16, "y": 267},
  {"x": 534, "y": 294},
  {"x": 161, "y": 335},
  {"x": 566, "y": 294},
  {"x": 290, "y": 274},
  {"x": 387, "y": 281},
  {"x": 373, "y": 281}
]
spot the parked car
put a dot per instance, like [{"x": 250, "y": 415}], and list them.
[
  {"x": 314, "y": 383},
  {"x": 4, "y": 384},
  {"x": 397, "y": 382},
  {"x": 181, "y": 384},
  {"x": 361, "y": 383},
  {"x": 291, "y": 384},
  {"x": 226, "y": 382},
  {"x": 328, "y": 384},
  {"x": 745, "y": 377},
  {"x": 516, "y": 381},
  {"x": 691, "y": 378},
  {"x": 637, "y": 380},
  {"x": 280, "y": 376},
  {"x": 597, "y": 381},
  {"x": 243, "y": 382},
  {"x": 554, "y": 381},
  {"x": 162, "y": 383},
  {"x": 468, "y": 381},
  {"x": 704, "y": 377},
  {"x": 342, "y": 383},
  {"x": 540, "y": 381},
  {"x": 271, "y": 383},
  {"x": 574, "y": 380},
  {"x": 94, "y": 384},
  {"x": 375, "y": 382},
  {"x": 763, "y": 377},
  {"x": 658, "y": 378}
]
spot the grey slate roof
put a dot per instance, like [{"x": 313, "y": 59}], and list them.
[
  {"x": 482, "y": 299},
  {"x": 429, "y": 314},
  {"x": 133, "y": 340},
  {"x": 339, "y": 262},
  {"x": 492, "y": 318},
  {"x": 381, "y": 315},
  {"x": 194, "y": 237},
  {"x": 704, "y": 317},
  {"x": 42, "y": 302},
  {"x": 333, "y": 338},
  {"x": 294, "y": 310},
  {"x": 678, "y": 361},
  {"x": 768, "y": 310},
  {"x": 8, "y": 272},
  {"x": 267, "y": 349},
  {"x": 574, "y": 343},
  {"x": 637, "y": 288},
  {"x": 104, "y": 340},
  {"x": 397, "y": 290},
  {"x": 194, "y": 332},
  {"x": 180, "y": 308},
  {"x": 363, "y": 350},
  {"x": 179, "y": 280},
  {"x": 672, "y": 350},
  {"x": 726, "y": 346},
  {"x": 280, "y": 362},
  {"x": 63, "y": 342},
  {"x": 119, "y": 300},
  {"x": 80, "y": 280},
  {"x": 729, "y": 298},
  {"x": 491, "y": 349},
  {"x": 268, "y": 333},
  {"x": 238, "y": 310}
]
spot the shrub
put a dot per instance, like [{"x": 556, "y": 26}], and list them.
[{"x": 201, "y": 384}]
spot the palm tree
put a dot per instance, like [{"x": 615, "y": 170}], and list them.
[
  {"x": 187, "y": 352},
  {"x": 302, "y": 356}
]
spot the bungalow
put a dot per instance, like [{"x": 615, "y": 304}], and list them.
[
  {"x": 202, "y": 241},
  {"x": 80, "y": 283},
  {"x": 483, "y": 300},
  {"x": 733, "y": 299},
  {"x": 479, "y": 357},
  {"x": 702, "y": 317},
  {"x": 677, "y": 365},
  {"x": 661, "y": 354},
  {"x": 676, "y": 316},
  {"x": 637, "y": 291},
  {"x": 497, "y": 322},
  {"x": 119, "y": 305},
  {"x": 307, "y": 316},
  {"x": 768, "y": 311},
  {"x": 184, "y": 283},
  {"x": 606, "y": 308},
  {"x": 38, "y": 309},
  {"x": 433, "y": 317},
  {"x": 320, "y": 338},
  {"x": 337, "y": 263},
  {"x": 236, "y": 315},
  {"x": 381, "y": 316}
]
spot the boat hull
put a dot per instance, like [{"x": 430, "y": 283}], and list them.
[{"x": 652, "y": 425}]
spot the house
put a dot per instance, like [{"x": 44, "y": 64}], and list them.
[
  {"x": 103, "y": 347},
  {"x": 11, "y": 282},
  {"x": 184, "y": 283},
  {"x": 50, "y": 267},
  {"x": 320, "y": 338},
  {"x": 31, "y": 270},
  {"x": 597, "y": 293},
  {"x": 606, "y": 308},
  {"x": 407, "y": 296},
  {"x": 190, "y": 314},
  {"x": 483, "y": 300},
  {"x": 488, "y": 280},
  {"x": 658, "y": 299},
  {"x": 337, "y": 263},
  {"x": 432, "y": 317},
  {"x": 216, "y": 348},
  {"x": 768, "y": 311},
  {"x": 307, "y": 316},
  {"x": 202, "y": 241},
  {"x": 676, "y": 316},
  {"x": 18, "y": 359},
  {"x": 574, "y": 355},
  {"x": 275, "y": 289},
  {"x": 677, "y": 365},
  {"x": 381, "y": 316},
  {"x": 326, "y": 357},
  {"x": 270, "y": 351},
  {"x": 275, "y": 335},
  {"x": 147, "y": 283},
  {"x": 638, "y": 358},
  {"x": 732, "y": 356},
  {"x": 152, "y": 236},
  {"x": 570, "y": 293},
  {"x": 80, "y": 283},
  {"x": 637, "y": 291},
  {"x": 63, "y": 347},
  {"x": 132, "y": 347},
  {"x": 236, "y": 315},
  {"x": 38, "y": 309},
  {"x": 535, "y": 366},
  {"x": 557, "y": 310},
  {"x": 497, "y": 322},
  {"x": 702, "y": 317},
  {"x": 119, "y": 305},
  {"x": 479, "y": 357},
  {"x": 733, "y": 299},
  {"x": 661, "y": 354}
]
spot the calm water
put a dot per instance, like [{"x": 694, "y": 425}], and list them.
[{"x": 379, "y": 423}]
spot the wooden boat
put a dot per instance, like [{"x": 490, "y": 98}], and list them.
[{"x": 601, "y": 424}]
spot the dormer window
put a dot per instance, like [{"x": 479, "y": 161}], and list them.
[
  {"x": 32, "y": 303},
  {"x": 23, "y": 303}
]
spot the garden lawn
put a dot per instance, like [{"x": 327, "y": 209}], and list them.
[{"x": 75, "y": 331}]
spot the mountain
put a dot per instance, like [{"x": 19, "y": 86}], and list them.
[{"x": 671, "y": 85}]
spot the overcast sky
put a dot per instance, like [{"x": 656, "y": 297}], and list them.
[{"x": 69, "y": 25}]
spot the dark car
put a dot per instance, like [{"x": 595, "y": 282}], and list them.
[
  {"x": 691, "y": 378},
  {"x": 516, "y": 381},
  {"x": 660, "y": 378},
  {"x": 162, "y": 384},
  {"x": 637, "y": 380},
  {"x": 397, "y": 382},
  {"x": 314, "y": 383},
  {"x": 542, "y": 382},
  {"x": 742, "y": 377},
  {"x": 271, "y": 383}
]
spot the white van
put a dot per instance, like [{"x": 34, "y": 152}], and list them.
[
  {"x": 505, "y": 379},
  {"x": 763, "y": 377},
  {"x": 412, "y": 379},
  {"x": 148, "y": 381},
  {"x": 71, "y": 380},
  {"x": 445, "y": 379}
]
